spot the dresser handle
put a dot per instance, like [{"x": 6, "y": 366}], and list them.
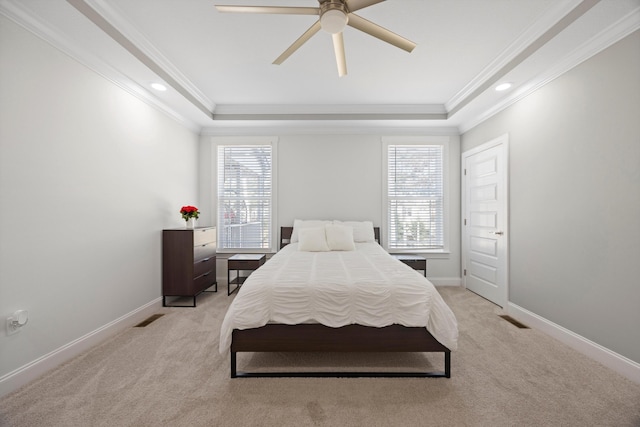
[{"x": 205, "y": 260}]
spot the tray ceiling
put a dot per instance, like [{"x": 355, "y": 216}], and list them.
[{"x": 218, "y": 66}]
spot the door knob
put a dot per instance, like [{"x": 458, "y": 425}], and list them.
[{"x": 499, "y": 233}]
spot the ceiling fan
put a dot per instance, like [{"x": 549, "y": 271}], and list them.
[{"x": 335, "y": 15}]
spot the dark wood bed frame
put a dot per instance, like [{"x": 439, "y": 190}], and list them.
[{"x": 350, "y": 338}]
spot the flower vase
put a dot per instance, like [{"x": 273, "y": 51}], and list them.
[{"x": 191, "y": 223}]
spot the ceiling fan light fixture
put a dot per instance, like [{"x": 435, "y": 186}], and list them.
[{"x": 333, "y": 21}]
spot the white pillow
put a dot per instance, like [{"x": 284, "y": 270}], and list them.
[
  {"x": 362, "y": 230},
  {"x": 339, "y": 237},
  {"x": 312, "y": 240},
  {"x": 298, "y": 224}
]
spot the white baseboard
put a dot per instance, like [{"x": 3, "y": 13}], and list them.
[
  {"x": 29, "y": 372},
  {"x": 612, "y": 360},
  {"x": 446, "y": 281}
]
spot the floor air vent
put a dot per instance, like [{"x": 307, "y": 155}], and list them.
[
  {"x": 514, "y": 321},
  {"x": 149, "y": 320}
]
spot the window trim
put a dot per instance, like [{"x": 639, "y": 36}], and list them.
[
  {"x": 249, "y": 141},
  {"x": 443, "y": 141}
]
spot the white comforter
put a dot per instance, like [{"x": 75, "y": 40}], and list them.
[{"x": 366, "y": 287}]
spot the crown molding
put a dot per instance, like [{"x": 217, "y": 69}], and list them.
[
  {"x": 326, "y": 117},
  {"x": 310, "y": 109},
  {"x": 330, "y": 112},
  {"x": 612, "y": 34},
  {"x": 17, "y": 12},
  {"x": 159, "y": 63},
  {"x": 544, "y": 28},
  {"x": 312, "y": 127},
  {"x": 102, "y": 16}
]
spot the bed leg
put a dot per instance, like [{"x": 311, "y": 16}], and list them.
[
  {"x": 447, "y": 364},
  {"x": 233, "y": 364}
]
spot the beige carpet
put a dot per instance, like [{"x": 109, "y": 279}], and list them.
[{"x": 170, "y": 373}]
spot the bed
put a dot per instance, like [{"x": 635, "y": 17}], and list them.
[{"x": 357, "y": 299}]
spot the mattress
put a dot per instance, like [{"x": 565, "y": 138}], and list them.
[{"x": 366, "y": 286}]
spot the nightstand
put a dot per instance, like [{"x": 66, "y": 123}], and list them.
[
  {"x": 416, "y": 262},
  {"x": 240, "y": 262}
]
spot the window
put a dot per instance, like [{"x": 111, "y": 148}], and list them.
[
  {"x": 245, "y": 189},
  {"x": 415, "y": 197}
]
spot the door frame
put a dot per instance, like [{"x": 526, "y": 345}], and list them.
[{"x": 503, "y": 141}]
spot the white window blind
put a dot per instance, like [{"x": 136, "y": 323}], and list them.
[
  {"x": 415, "y": 197},
  {"x": 244, "y": 196}
]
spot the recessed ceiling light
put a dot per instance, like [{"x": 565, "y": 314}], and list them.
[
  {"x": 503, "y": 86},
  {"x": 159, "y": 86}
]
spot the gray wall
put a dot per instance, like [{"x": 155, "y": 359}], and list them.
[
  {"x": 89, "y": 175},
  {"x": 330, "y": 177},
  {"x": 575, "y": 198},
  {"x": 340, "y": 177}
]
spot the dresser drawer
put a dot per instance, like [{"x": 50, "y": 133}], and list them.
[
  {"x": 203, "y": 236},
  {"x": 204, "y": 265},
  {"x": 201, "y": 283},
  {"x": 204, "y": 251}
]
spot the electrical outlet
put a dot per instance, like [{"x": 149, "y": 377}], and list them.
[
  {"x": 12, "y": 326},
  {"x": 17, "y": 321}
]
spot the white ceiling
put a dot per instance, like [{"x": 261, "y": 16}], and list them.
[{"x": 219, "y": 70}]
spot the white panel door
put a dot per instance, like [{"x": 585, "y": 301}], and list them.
[{"x": 485, "y": 242}]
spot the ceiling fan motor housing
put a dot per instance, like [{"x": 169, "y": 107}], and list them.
[{"x": 333, "y": 16}]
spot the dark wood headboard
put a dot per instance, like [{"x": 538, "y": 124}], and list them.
[{"x": 286, "y": 232}]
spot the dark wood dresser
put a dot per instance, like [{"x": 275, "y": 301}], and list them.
[{"x": 188, "y": 263}]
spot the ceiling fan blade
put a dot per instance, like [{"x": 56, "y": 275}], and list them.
[
  {"x": 280, "y": 10},
  {"x": 338, "y": 47},
  {"x": 379, "y": 32},
  {"x": 301, "y": 40},
  {"x": 354, "y": 5}
]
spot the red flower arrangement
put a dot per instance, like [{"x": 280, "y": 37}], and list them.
[{"x": 189, "y": 212}]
